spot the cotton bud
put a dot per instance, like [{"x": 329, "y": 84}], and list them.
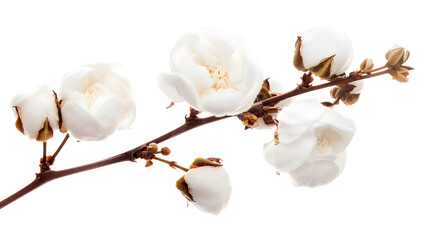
[
  {"x": 397, "y": 56},
  {"x": 367, "y": 65},
  {"x": 165, "y": 151},
  {"x": 400, "y": 75},
  {"x": 37, "y": 113},
  {"x": 152, "y": 149},
  {"x": 324, "y": 51},
  {"x": 348, "y": 93},
  {"x": 206, "y": 185}
]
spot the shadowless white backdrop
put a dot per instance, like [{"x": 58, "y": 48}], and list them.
[{"x": 382, "y": 193}]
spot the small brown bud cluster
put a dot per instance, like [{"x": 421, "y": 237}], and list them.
[
  {"x": 249, "y": 120},
  {"x": 344, "y": 93},
  {"x": 265, "y": 113},
  {"x": 149, "y": 153}
]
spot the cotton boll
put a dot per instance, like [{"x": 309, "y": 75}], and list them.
[
  {"x": 212, "y": 73},
  {"x": 209, "y": 187},
  {"x": 32, "y": 109},
  {"x": 321, "y": 44},
  {"x": 97, "y": 100},
  {"x": 310, "y": 143}
]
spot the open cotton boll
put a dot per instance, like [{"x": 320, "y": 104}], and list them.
[
  {"x": 32, "y": 109},
  {"x": 96, "y": 100},
  {"x": 319, "y": 44},
  {"x": 212, "y": 73},
  {"x": 210, "y": 188},
  {"x": 310, "y": 143}
]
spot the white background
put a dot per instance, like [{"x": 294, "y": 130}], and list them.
[{"x": 382, "y": 193}]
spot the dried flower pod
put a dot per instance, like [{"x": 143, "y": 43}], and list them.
[
  {"x": 400, "y": 75},
  {"x": 249, "y": 120},
  {"x": 152, "y": 149},
  {"x": 397, "y": 56},
  {"x": 348, "y": 93},
  {"x": 367, "y": 65},
  {"x": 148, "y": 163},
  {"x": 165, "y": 151}
]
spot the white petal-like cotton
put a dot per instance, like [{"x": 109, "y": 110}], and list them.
[
  {"x": 322, "y": 42},
  {"x": 212, "y": 73},
  {"x": 97, "y": 100},
  {"x": 310, "y": 143},
  {"x": 358, "y": 86},
  {"x": 210, "y": 188},
  {"x": 34, "y": 108}
]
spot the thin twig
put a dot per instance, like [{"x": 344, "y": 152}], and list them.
[
  {"x": 171, "y": 163},
  {"x": 44, "y": 152},
  {"x": 52, "y": 159}
]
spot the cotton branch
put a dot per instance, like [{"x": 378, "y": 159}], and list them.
[{"x": 191, "y": 123}]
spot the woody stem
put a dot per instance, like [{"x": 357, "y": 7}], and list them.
[{"x": 44, "y": 151}]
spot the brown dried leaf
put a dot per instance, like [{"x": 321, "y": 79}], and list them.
[
  {"x": 182, "y": 186},
  {"x": 18, "y": 123},
  {"x": 297, "y": 58},
  {"x": 201, "y": 162},
  {"x": 45, "y": 133},
  {"x": 323, "y": 69}
]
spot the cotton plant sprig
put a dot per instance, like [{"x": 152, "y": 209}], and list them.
[{"x": 213, "y": 73}]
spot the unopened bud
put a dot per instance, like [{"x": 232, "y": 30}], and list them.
[
  {"x": 400, "y": 75},
  {"x": 396, "y": 56},
  {"x": 152, "y": 149},
  {"x": 335, "y": 92},
  {"x": 367, "y": 65},
  {"x": 351, "y": 99},
  {"x": 347, "y": 93},
  {"x": 165, "y": 151},
  {"x": 248, "y": 119}
]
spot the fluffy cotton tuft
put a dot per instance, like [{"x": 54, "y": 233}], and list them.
[
  {"x": 210, "y": 188},
  {"x": 322, "y": 42},
  {"x": 33, "y": 108},
  {"x": 96, "y": 100},
  {"x": 212, "y": 73},
  {"x": 310, "y": 143}
]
